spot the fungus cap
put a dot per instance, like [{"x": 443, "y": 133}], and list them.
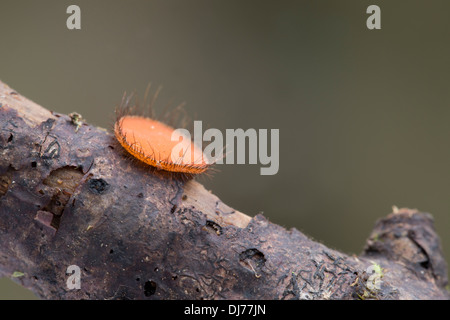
[{"x": 150, "y": 141}]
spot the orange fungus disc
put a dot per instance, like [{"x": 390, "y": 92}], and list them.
[{"x": 150, "y": 141}]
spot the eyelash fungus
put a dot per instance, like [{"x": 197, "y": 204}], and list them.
[{"x": 149, "y": 140}]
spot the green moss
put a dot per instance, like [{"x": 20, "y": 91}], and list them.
[
  {"x": 17, "y": 274},
  {"x": 368, "y": 283},
  {"x": 76, "y": 119}
]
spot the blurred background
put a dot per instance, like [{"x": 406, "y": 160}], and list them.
[{"x": 363, "y": 115}]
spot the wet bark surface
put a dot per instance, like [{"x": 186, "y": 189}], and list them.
[{"x": 69, "y": 195}]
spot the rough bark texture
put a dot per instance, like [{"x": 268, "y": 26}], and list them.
[{"x": 69, "y": 196}]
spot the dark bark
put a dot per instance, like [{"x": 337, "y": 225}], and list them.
[{"x": 70, "y": 196}]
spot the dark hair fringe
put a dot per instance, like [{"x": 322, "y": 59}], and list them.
[{"x": 175, "y": 118}]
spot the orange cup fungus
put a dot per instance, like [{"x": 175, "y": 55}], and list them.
[{"x": 151, "y": 142}]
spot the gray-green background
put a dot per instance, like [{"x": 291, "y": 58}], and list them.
[{"x": 363, "y": 115}]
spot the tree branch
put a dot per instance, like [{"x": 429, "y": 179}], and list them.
[{"x": 70, "y": 196}]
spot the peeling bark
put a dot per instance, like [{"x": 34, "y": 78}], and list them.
[{"x": 70, "y": 196}]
